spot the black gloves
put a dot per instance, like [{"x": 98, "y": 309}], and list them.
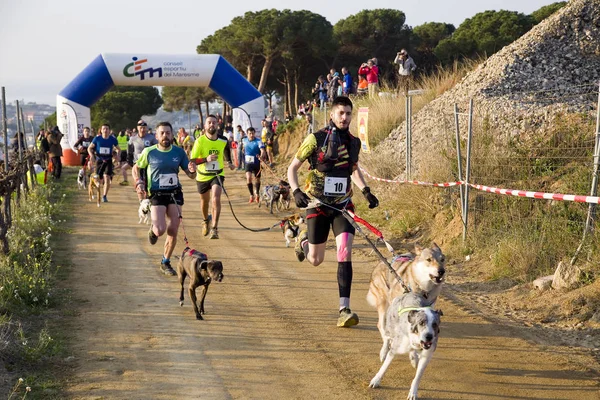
[
  {"x": 373, "y": 202},
  {"x": 301, "y": 198}
]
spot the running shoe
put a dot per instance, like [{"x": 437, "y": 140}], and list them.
[
  {"x": 347, "y": 318},
  {"x": 152, "y": 238},
  {"x": 251, "y": 200},
  {"x": 165, "y": 267},
  {"x": 104, "y": 199},
  {"x": 124, "y": 183},
  {"x": 298, "y": 249},
  {"x": 205, "y": 227},
  {"x": 214, "y": 234},
  {"x": 256, "y": 199}
]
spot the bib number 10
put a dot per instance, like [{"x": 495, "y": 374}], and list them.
[{"x": 335, "y": 186}]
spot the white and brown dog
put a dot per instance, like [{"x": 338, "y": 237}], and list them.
[
  {"x": 412, "y": 326},
  {"x": 81, "y": 179},
  {"x": 423, "y": 273},
  {"x": 144, "y": 211},
  {"x": 94, "y": 188},
  {"x": 291, "y": 228}
]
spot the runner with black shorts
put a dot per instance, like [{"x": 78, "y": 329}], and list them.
[
  {"x": 209, "y": 153},
  {"x": 101, "y": 152},
  {"x": 162, "y": 163},
  {"x": 137, "y": 144},
  {"x": 254, "y": 151},
  {"x": 333, "y": 156},
  {"x": 82, "y": 146}
]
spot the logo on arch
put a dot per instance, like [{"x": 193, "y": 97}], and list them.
[{"x": 142, "y": 69}]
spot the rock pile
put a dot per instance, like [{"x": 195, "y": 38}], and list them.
[{"x": 554, "y": 67}]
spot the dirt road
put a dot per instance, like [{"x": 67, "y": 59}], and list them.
[{"x": 269, "y": 330}]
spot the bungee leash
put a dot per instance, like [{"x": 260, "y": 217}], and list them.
[{"x": 354, "y": 220}]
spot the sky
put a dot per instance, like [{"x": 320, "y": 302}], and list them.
[{"x": 44, "y": 44}]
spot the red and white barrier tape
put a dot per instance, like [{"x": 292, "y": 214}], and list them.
[
  {"x": 539, "y": 195},
  {"x": 508, "y": 192},
  {"x": 445, "y": 184}
]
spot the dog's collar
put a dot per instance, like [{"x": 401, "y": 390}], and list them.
[{"x": 407, "y": 309}]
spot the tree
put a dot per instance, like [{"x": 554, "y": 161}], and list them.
[
  {"x": 426, "y": 38},
  {"x": 544, "y": 12},
  {"x": 379, "y": 33},
  {"x": 484, "y": 34},
  {"x": 187, "y": 98},
  {"x": 123, "y": 106}
]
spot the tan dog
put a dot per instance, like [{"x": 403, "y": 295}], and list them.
[
  {"x": 201, "y": 272},
  {"x": 423, "y": 274},
  {"x": 291, "y": 227},
  {"x": 94, "y": 187}
]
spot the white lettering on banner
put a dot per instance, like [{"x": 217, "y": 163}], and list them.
[
  {"x": 212, "y": 166},
  {"x": 104, "y": 150},
  {"x": 335, "y": 186},
  {"x": 250, "y": 159},
  {"x": 167, "y": 180}
]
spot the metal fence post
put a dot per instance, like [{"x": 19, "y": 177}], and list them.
[
  {"x": 5, "y": 129},
  {"x": 589, "y": 223},
  {"x": 19, "y": 144},
  {"x": 468, "y": 171},
  {"x": 407, "y": 121},
  {"x": 460, "y": 175}
]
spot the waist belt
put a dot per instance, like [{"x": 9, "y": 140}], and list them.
[{"x": 210, "y": 173}]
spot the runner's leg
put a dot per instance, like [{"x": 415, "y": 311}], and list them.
[
  {"x": 172, "y": 228},
  {"x": 158, "y": 216},
  {"x": 216, "y": 204}
]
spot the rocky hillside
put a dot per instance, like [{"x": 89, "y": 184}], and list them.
[{"x": 554, "y": 67}]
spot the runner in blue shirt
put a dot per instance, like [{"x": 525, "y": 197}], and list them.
[
  {"x": 101, "y": 153},
  {"x": 162, "y": 163},
  {"x": 254, "y": 151}
]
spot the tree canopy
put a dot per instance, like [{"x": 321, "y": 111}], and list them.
[
  {"x": 546, "y": 11},
  {"x": 123, "y": 106}
]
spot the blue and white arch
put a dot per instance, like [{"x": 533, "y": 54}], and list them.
[{"x": 110, "y": 69}]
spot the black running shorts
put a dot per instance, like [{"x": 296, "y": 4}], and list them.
[
  {"x": 254, "y": 169},
  {"x": 206, "y": 186},
  {"x": 104, "y": 167},
  {"x": 320, "y": 220},
  {"x": 166, "y": 198}
]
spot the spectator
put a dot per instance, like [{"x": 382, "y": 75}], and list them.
[
  {"x": 309, "y": 130},
  {"x": 287, "y": 117},
  {"x": 238, "y": 138},
  {"x": 268, "y": 139},
  {"x": 44, "y": 147},
  {"x": 18, "y": 142},
  {"x": 371, "y": 71},
  {"x": 406, "y": 68},
  {"x": 347, "y": 82},
  {"x": 334, "y": 84},
  {"x": 363, "y": 86},
  {"x": 197, "y": 131},
  {"x": 322, "y": 92},
  {"x": 55, "y": 151}
]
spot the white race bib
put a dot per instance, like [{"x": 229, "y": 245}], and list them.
[
  {"x": 104, "y": 150},
  {"x": 212, "y": 166},
  {"x": 167, "y": 180},
  {"x": 335, "y": 186},
  {"x": 85, "y": 144},
  {"x": 250, "y": 159}
]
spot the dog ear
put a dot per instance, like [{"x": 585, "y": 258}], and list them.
[
  {"x": 436, "y": 247},
  {"x": 418, "y": 249},
  {"x": 440, "y": 313}
]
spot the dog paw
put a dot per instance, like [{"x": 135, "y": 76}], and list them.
[
  {"x": 375, "y": 382},
  {"x": 199, "y": 317},
  {"x": 412, "y": 395},
  {"x": 181, "y": 304}
]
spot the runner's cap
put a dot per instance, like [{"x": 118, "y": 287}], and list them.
[{"x": 141, "y": 122}]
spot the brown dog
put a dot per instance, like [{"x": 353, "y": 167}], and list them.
[
  {"x": 422, "y": 273},
  {"x": 291, "y": 228},
  {"x": 94, "y": 187},
  {"x": 201, "y": 272}
]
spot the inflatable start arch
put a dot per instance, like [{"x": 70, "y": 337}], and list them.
[{"x": 107, "y": 70}]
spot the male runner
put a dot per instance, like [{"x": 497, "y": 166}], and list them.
[
  {"x": 253, "y": 150},
  {"x": 82, "y": 146},
  {"x": 123, "y": 140},
  {"x": 101, "y": 152},
  {"x": 137, "y": 144},
  {"x": 209, "y": 151},
  {"x": 333, "y": 156},
  {"x": 162, "y": 162}
]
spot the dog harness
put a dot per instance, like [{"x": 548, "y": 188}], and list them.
[
  {"x": 195, "y": 253},
  {"x": 407, "y": 309}
]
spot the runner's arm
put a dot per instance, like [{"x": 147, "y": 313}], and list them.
[
  {"x": 292, "y": 173},
  {"x": 358, "y": 179}
]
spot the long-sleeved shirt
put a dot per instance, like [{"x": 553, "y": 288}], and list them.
[
  {"x": 372, "y": 73},
  {"x": 406, "y": 67}
]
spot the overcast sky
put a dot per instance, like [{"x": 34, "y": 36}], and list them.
[{"x": 44, "y": 44}]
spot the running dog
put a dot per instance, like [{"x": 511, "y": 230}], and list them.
[
  {"x": 412, "y": 326},
  {"x": 423, "y": 273},
  {"x": 282, "y": 195},
  {"x": 144, "y": 211},
  {"x": 94, "y": 188},
  {"x": 81, "y": 179},
  {"x": 201, "y": 272},
  {"x": 291, "y": 227}
]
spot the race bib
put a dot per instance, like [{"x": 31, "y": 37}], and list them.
[
  {"x": 104, "y": 151},
  {"x": 85, "y": 144},
  {"x": 212, "y": 166},
  {"x": 335, "y": 186},
  {"x": 250, "y": 159},
  {"x": 167, "y": 180}
]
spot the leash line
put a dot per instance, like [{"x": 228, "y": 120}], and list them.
[{"x": 350, "y": 216}]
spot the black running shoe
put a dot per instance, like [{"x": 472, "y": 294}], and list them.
[
  {"x": 152, "y": 238},
  {"x": 165, "y": 267}
]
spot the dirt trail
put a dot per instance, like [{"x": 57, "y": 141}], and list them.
[{"x": 269, "y": 330}]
